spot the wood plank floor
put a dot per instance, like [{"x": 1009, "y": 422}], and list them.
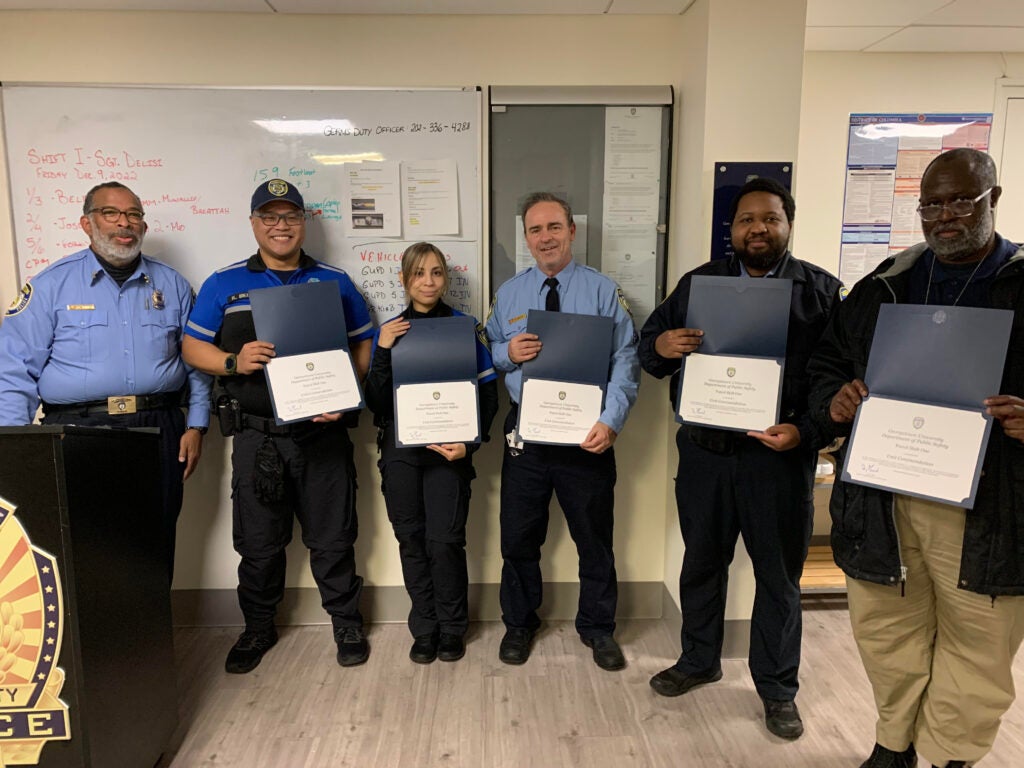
[{"x": 298, "y": 709}]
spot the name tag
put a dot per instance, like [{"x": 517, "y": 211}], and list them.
[
  {"x": 517, "y": 318},
  {"x": 81, "y": 306}
]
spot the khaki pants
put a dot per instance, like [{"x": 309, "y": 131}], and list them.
[{"x": 939, "y": 658}]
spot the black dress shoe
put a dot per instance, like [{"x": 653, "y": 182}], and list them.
[
  {"x": 451, "y": 647},
  {"x": 674, "y": 682},
  {"x": 424, "y": 649},
  {"x": 887, "y": 758},
  {"x": 607, "y": 654},
  {"x": 515, "y": 645},
  {"x": 352, "y": 646},
  {"x": 782, "y": 718},
  {"x": 247, "y": 652}
]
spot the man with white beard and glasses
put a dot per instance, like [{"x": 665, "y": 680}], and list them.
[
  {"x": 936, "y": 591},
  {"x": 96, "y": 337}
]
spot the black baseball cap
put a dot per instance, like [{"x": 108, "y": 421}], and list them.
[{"x": 276, "y": 189}]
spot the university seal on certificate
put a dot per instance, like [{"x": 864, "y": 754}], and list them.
[{"x": 31, "y": 615}]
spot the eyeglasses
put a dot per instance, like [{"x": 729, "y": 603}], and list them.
[
  {"x": 292, "y": 219},
  {"x": 958, "y": 208},
  {"x": 113, "y": 215}
]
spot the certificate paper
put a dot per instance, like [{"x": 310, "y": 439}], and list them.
[
  {"x": 440, "y": 412},
  {"x": 924, "y": 450},
  {"x": 307, "y": 385},
  {"x": 558, "y": 412},
  {"x": 930, "y": 369},
  {"x": 730, "y": 392}
]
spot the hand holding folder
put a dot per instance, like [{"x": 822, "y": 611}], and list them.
[
  {"x": 564, "y": 385},
  {"x": 922, "y": 425},
  {"x": 311, "y": 374}
]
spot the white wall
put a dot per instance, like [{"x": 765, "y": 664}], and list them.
[{"x": 264, "y": 49}]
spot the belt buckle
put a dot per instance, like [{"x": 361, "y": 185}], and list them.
[{"x": 119, "y": 406}]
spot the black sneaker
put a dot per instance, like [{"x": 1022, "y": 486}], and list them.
[
  {"x": 674, "y": 682},
  {"x": 424, "y": 649},
  {"x": 515, "y": 645},
  {"x": 247, "y": 652},
  {"x": 782, "y": 718},
  {"x": 886, "y": 758},
  {"x": 352, "y": 646},
  {"x": 451, "y": 647}
]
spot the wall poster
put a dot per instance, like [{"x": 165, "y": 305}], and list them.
[{"x": 885, "y": 158}]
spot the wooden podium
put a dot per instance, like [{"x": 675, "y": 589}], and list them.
[{"x": 86, "y": 501}]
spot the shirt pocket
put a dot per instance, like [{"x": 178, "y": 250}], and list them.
[
  {"x": 160, "y": 329},
  {"x": 81, "y": 334}
]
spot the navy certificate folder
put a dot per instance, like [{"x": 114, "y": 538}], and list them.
[
  {"x": 575, "y": 348},
  {"x": 925, "y": 355},
  {"x": 299, "y": 319},
  {"x": 435, "y": 349},
  {"x": 942, "y": 355},
  {"x": 740, "y": 315}
]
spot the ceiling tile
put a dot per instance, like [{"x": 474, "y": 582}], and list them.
[
  {"x": 442, "y": 6},
  {"x": 868, "y": 13},
  {"x": 670, "y": 7},
  {"x": 845, "y": 38},
  {"x": 978, "y": 13},
  {"x": 953, "y": 40},
  {"x": 224, "y": 6}
]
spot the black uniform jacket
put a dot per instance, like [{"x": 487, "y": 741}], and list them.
[
  {"x": 864, "y": 539},
  {"x": 815, "y": 293}
]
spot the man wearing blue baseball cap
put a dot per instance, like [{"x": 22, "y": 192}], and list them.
[{"x": 279, "y": 472}]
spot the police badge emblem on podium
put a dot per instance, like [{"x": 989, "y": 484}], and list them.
[{"x": 31, "y": 618}]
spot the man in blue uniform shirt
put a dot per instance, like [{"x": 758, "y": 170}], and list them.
[
  {"x": 278, "y": 472},
  {"x": 97, "y": 338},
  {"x": 584, "y": 476}
]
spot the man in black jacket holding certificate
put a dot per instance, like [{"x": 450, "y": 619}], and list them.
[
  {"x": 758, "y": 484},
  {"x": 936, "y": 591}
]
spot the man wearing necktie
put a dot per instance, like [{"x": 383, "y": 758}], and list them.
[{"x": 583, "y": 477}]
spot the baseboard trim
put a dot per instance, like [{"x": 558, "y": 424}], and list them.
[{"x": 301, "y": 605}]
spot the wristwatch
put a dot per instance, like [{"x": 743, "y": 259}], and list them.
[
  {"x": 200, "y": 430},
  {"x": 231, "y": 364}
]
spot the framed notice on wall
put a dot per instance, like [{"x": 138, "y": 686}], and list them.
[{"x": 885, "y": 158}]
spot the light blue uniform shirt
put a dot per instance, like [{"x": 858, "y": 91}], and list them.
[
  {"x": 582, "y": 290},
  {"x": 73, "y": 336}
]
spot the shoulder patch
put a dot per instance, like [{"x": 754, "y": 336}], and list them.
[
  {"x": 622, "y": 301},
  {"x": 20, "y": 301},
  {"x": 490, "y": 310},
  {"x": 843, "y": 292},
  {"x": 481, "y": 336}
]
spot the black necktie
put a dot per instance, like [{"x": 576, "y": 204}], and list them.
[{"x": 551, "y": 304}]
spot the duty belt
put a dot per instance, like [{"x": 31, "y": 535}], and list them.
[{"x": 118, "y": 405}]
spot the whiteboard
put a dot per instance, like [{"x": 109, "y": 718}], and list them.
[{"x": 194, "y": 157}]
